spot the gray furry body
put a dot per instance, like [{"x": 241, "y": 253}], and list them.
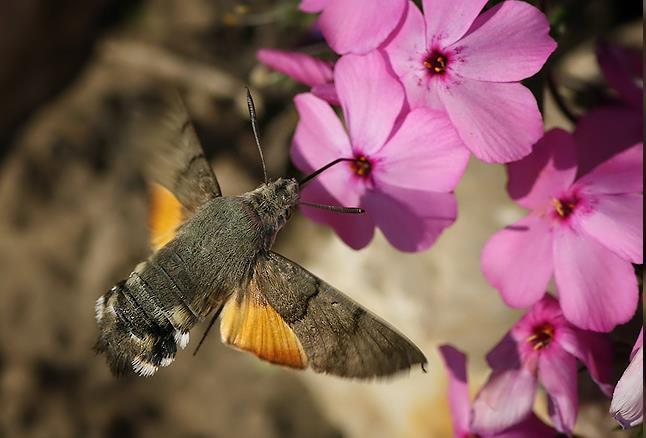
[{"x": 213, "y": 254}]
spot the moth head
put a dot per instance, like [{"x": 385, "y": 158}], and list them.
[
  {"x": 273, "y": 203},
  {"x": 285, "y": 191}
]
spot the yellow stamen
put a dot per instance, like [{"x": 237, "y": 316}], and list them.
[
  {"x": 563, "y": 208},
  {"x": 541, "y": 337},
  {"x": 361, "y": 166}
]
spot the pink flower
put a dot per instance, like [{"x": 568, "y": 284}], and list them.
[
  {"x": 628, "y": 399},
  {"x": 542, "y": 346},
  {"x": 403, "y": 168},
  {"x": 614, "y": 127},
  {"x": 455, "y": 363},
  {"x": 470, "y": 66},
  {"x": 356, "y": 26},
  {"x": 586, "y": 231},
  {"x": 303, "y": 68}
]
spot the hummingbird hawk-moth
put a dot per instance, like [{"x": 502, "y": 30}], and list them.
[{"x": 219, "y": 260}]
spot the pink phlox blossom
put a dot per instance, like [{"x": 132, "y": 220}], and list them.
[
  {"x": 455, "y": 364},
  {"x": 402, "y": 168},
  {"x": 586, "y": 232},
  {"x": 471, "y": 65},
  {"x": 541, "y": 347}
]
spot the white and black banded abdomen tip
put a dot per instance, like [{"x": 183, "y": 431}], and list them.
[{"x": 132, "y": 340}]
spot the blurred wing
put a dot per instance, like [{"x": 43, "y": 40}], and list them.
[
  {"x": 329, "y": 331},
  {"x": 172, "y": 155}
]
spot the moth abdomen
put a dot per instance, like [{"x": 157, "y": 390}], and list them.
[{"x": 133, "y": 333}]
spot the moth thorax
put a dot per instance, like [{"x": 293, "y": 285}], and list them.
[{"x": 272, "y": 204}]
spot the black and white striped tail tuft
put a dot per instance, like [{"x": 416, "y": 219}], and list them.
[{"x": 131, "y": 338}]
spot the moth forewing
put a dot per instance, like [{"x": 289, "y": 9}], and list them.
[
  {"x": 338, "y": 335},
  {"x": 170, "y": 152}
]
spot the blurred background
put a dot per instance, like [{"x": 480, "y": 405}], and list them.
[{"x": 73, "y": 209}]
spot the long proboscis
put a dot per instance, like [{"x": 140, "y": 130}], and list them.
[
  {"x": 316, "y": 173},
  {"x": 335, "y": 208}
]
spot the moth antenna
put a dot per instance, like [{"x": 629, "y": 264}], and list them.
[
  {"x": 254, "y": 127},
  {"x": 322, "y": 169},
  {"x": 350, "y": 210},
  {"x": 208, "y": 329}
]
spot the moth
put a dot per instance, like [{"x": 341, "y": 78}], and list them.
[{"x": 219, "y": 262}]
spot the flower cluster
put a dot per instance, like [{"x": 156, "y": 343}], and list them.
[
  {"x": 542, "y": 347},
  {"x": 419, "y": 91}
]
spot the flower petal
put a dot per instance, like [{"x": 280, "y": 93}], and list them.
[
  {"x": 505, "y": 400},
  {"x": 371, "y": 99},
  {"x": 356, "y": 230},
  {"x": 617, "y": 222},
  {"x": 517, "y": 261},
  {"x": 623, "y": 173},
  {"x": 616, "y": 64},
  {"x": 327, "y": 92},
  {"x": 509, "y": 42},
  {"x": 359, "y": 26},
  {"x": 628, "y": 400},
  {"x": 424, "y": 153},
  {"x": 312, "y": 5},
  {"x": 455, "y": 363},
  {"x": 319, "y": 137},
  {"x": 545, "y": 173},
  {"x": 531, "y": 427},
  {"x": 557, "y": 372},
  {"x": 411, "y": 220},
  {"x": 299, "y": 66},
  {"x": 604, "y": 132},
  {"x": 406, "y": 51},
  {"x": 593, "y": 349},
  {"x": 499, "y": 122},
  {"x": 447, "y": 21},
  {"x": 597, "y": 288},
  {"x": 638, "y": 343},
  {"x": 505, "y": 354}
]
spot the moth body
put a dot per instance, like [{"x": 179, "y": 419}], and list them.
[
  {"x": 146, "y": 319},
  {"x": 215, "y": 256}
]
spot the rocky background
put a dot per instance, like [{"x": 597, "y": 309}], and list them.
[{"x": 73, "y": 222}]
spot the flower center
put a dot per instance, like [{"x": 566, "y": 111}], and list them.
[
  {"x": 564, "y": 207},
  {"x": 361, "y": 166},
  {"x": 436, "y": 63},
  {"x": 541, "y": 336}
]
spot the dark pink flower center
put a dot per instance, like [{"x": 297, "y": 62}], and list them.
[
  {"x": 436, "y": 62},
  {"x": 361, "y": 166},
  {"x": 565, "y": 206},
  {"x": 541, "y": 336}
]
